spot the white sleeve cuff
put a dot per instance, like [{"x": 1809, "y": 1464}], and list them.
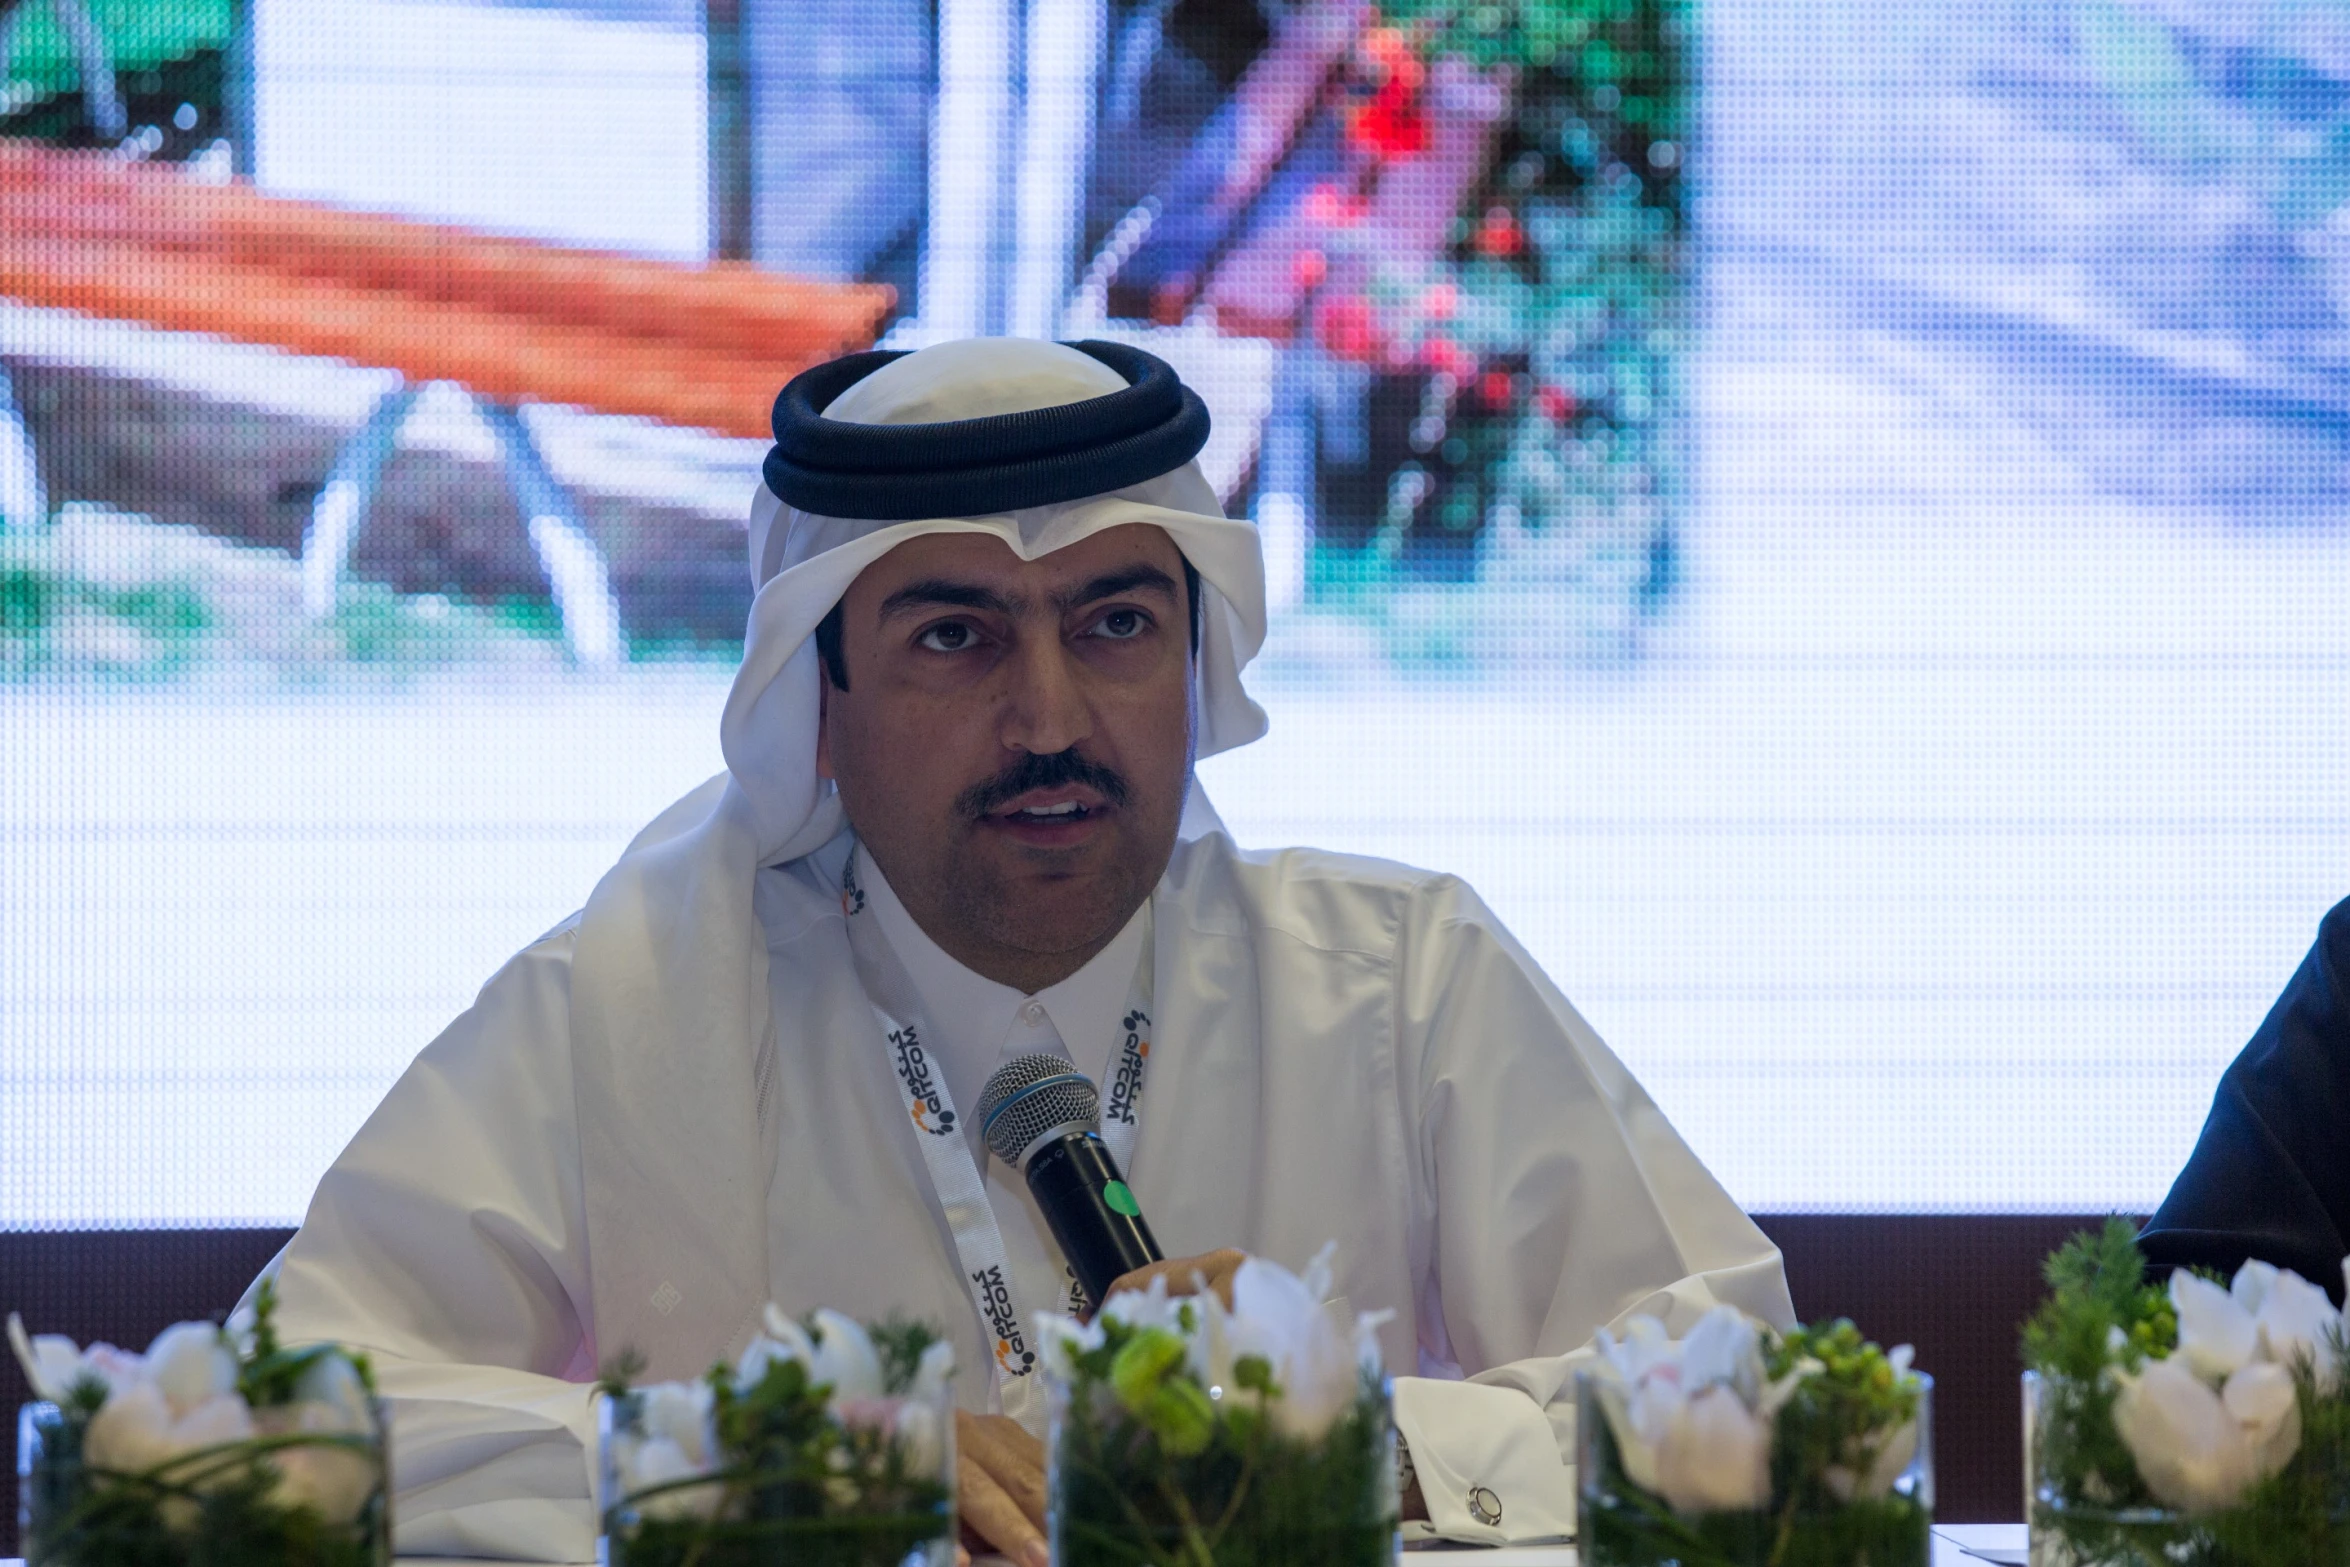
[{"x": 1488, "y": 1462}]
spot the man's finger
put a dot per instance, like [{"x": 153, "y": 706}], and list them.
[
  {"x": 1013, "y": 1459},
  {"x": 1184, "y": 1273},
  {"x": 992, "y": 1515}
]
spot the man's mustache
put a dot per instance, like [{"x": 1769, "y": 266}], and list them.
[{"x": 1031, "y": 772}]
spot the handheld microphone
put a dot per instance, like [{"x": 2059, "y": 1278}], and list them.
[{"x": 1043, "y": 1117}]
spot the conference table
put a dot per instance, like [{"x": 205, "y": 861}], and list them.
[{"x": 1955, "y": 1545}]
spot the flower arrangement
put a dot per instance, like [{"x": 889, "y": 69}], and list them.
[
  {"x": 827, "y": 1444},
  {"x": 217, "y": 1444},
  {"x": 2202, "y": 1425},
  {"x": 1186, "y": 1434},
  {"x": 1742, "y": 1447}
]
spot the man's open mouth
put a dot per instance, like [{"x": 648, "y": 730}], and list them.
[{"x": 1065, "y": 811}]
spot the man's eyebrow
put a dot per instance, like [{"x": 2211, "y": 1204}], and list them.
[
  {"x": 946, "y": 593},
  {"x": 942, "y": 592},
  {"x": 1112, "y": 583}
]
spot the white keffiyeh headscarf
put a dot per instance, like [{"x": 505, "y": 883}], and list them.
[{"x": 669, "y": 994}]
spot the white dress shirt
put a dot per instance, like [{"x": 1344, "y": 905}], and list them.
[{"x": 976, "y": 1025}]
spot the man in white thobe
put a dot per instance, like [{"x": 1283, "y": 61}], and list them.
[{"x": 999, "y": 615}]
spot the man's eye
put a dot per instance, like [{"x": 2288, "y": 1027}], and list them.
[
  {"x": 950, "y": 636},
  {"x": 1122, "y": 624}
]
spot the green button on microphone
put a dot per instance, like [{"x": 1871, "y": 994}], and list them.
[{"x": 1121, "y": 1200}]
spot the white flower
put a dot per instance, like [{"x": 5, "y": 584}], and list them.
[
  {"x": 1714, "y": 1454},
  {"x": 1281, "y": 1316},
  {"x": 1153, "y": 1307},
  {"x": 138, "y": 1429},
  {"x": 2221, "y": 1413},
  {"x": 137, "y": 1432},
  {"x": 672, "y": 1439},
  {"x": 240, "y": 1326},
  {"x": 191, "y": 1363},
  {"x": 217, "y": 1422},
  {"x": 783, "y": 1328},
  {"x": 660, "y": 1461},
  {"x": 923, "y": 1436},
  {"x": 1058, "y": 1337},
  {"x": 845, "y": 1358},
  {"x": 1692, "y": 1419},
  {"x": 2217, "y": 1331},
  {"x": 2250, "y": 1287},
  {"x": 2268, "y": 1411},
  {"x": 1644, "y": 1346},
  {"x": 51, "y": 1364},
  {"x": 332, "y": 1478},
  {"x": 1209, "y": 1351},
  {"x": 933, "y": 1371},
  {"x": 760, "y": 1355},
  {"x": 2199, "y": 1449},
  {"x": 1680, "y": 1412},
  {"x": 679, "y": 1413},
  {"x": 2297, "y": 1322},
  {"x": 332, "y": 1383},
  {"x": 925, "y": 1419},
  {"x": 783, "y": 1339},
  {"x": 1725, "y": 1347},
  {"x": 132, "y": 1433}
]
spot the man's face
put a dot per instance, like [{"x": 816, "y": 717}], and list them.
[{"x": 1015, "y": 741}]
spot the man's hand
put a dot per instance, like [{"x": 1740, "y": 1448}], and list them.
[
  {"x": 1183, "y": 1273},
  {"x": 999, "y": 1470},
  {"x": 999, "y": 1467}
]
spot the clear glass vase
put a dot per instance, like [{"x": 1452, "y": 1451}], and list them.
[
  {"x": 1250, "y": 1496},
  {"x": 287, "y": 1497},
  {"x": 2072, "y": 1529},
  {"x": 877, "y": 1489},
  {"x": 1622, "y": 1524}
]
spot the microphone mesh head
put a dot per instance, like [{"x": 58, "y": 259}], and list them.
[{"x": 1030, "y": 1095}]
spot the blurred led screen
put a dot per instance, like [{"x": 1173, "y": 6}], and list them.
[{"x": 1833, "y": 516}]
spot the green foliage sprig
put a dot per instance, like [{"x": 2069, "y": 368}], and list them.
[
  {"x": 2103, "y": 1318},
  {"x": 1848, "y": 1405},
  {"x": 1154, "y": 1467},
  {"x": 794, "y": 1482},
  {"x": 2100, "y": 1312}
]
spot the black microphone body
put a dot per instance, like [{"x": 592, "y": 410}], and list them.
[
  {"x": 1091, "y": 1210},
  {"x": 1043, "y": 1117}
]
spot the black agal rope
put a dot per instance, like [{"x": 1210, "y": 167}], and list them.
[{"x": 968, "y": 467}]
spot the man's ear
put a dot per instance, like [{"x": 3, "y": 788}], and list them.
[{"x": 823, "y": 727}]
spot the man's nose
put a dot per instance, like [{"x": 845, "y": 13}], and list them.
[{"x": 1045, "y": 709}]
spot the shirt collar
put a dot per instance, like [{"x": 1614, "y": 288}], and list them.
[{"x": 977, "y": 1024}]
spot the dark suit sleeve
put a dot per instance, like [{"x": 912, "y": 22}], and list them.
[{"x": 2270, "y": 1177}]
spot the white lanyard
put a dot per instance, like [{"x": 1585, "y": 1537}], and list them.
[{"x": 946, "y": 1151}]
